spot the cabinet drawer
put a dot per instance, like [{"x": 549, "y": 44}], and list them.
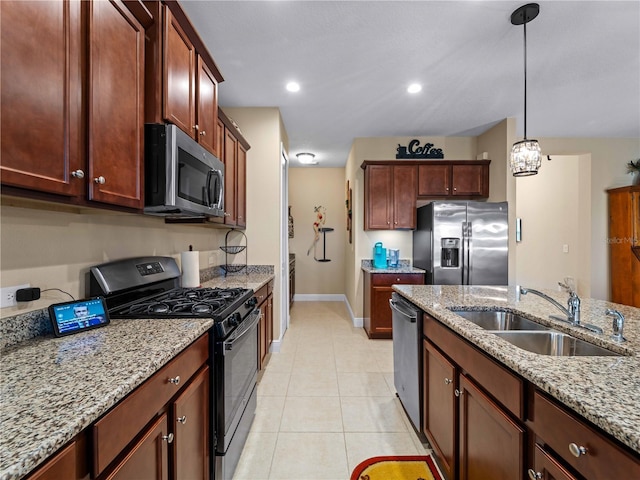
[
  {"x": 498, "y": 381},
  {"x": 113, "y": 432},
  {"x": 559, "y": 429},
  {"x": 262, "y": 294},
  {"x": 61, "y": 465},
  {"x": 385, "y": 279}
]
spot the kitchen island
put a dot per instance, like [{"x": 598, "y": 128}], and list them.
[
  {"x": 604, "y": 390},
  {"x": 52, "y": 389}
]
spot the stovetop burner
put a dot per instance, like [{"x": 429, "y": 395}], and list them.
[{"x": 186, "y": 302}]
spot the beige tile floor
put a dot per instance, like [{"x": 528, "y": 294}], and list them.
[{"x": 325, "y": 402}]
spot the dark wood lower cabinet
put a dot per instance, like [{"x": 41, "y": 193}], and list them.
[
  {"x": 545, "y": 467},
  {"x": 61, "y": 465},
  {"x": 191, "y": 427},
  {"x": 148, "y": 459},
  {"x": 491, "y": 444}
]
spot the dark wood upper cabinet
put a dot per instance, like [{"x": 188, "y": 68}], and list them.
[
  {"x": 241, "y": 187},
  {"x": 179, "y": 86},
  {"x": 207, "y": 113},
  {"x": 466, "y": 179},
  {"x": 116, "y": 105},
  {"x": 41, "y": 104},
  {"x": 390, "y": 197},
  {"x": 230, "y": 164}
]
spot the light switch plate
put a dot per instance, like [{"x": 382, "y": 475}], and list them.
[{"x": 8, "y": 295}]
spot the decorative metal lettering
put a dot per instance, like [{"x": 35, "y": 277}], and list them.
[{"x": 414, "y": 150}]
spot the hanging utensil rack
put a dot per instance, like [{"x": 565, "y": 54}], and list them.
[{"x": 234, "y": 250}]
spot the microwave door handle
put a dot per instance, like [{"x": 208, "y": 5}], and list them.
[
  {"x": 207, "y": 188},
  {"x": 221, "y": 189}
]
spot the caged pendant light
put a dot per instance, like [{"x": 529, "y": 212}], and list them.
[{"x": 525, "y": 155}]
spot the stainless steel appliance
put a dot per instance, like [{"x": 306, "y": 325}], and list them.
[
  {"x": 407, "y": 361},
  {"x": 462, "y": 243},
  {"x": 182, "y": 179},
  {"x": 149, "y": 287}
]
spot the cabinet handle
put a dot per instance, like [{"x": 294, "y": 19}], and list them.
[
  {"x": 448, "y": 381},
  {"x": 77, "y": 174},
  {"x": 533, "y": 475},
  {"x": 168, "y": 438},
  {"x": 458, "y": 393},
  {"x": 175, "y": 380},
  {"x": 203, "y": 133},
  {"x": 100, "y": 180},
  {"x": 577, "y": 451},
  {"x": 182, "y": 419}
]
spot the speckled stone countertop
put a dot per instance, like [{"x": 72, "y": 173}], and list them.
[
  {"x": 403, "y": 267},
  {"x": 604, "y": 390},
  {"x": 53, "y": 388}
]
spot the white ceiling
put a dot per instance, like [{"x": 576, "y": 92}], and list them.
[{"x": 355, "y": 59}]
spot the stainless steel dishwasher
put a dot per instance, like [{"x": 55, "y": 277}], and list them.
[{"x": 407, "y": 364}]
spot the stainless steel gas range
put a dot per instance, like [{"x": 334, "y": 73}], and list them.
[{"x": 149, "y": 287}]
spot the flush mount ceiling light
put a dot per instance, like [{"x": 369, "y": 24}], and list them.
[
  {"x": 306, "y": 158},
  {"x": 525, "y": 155},
  {"x": 293, "y": 87},
  {"x": 414, "y": 88}
]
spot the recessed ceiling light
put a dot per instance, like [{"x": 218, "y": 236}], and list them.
[
  {"x": 414, "y": 88},
  {"x": 293, "y": 86}
]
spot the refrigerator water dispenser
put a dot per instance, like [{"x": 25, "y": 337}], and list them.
[{"x": 450, "y": 252}]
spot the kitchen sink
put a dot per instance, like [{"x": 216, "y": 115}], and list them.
[
  {"x": 499, "y": 320},
  {"x": 553, "y": 343}
]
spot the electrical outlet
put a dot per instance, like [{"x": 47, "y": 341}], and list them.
[{"x": 8, "y": 295}]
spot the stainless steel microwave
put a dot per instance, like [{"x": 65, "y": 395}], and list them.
[{"x": 182, "y": 179}]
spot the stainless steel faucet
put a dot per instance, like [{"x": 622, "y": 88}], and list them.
[
  {"x": 618, "y": 325},
  {"x": 572, "y": 311}
]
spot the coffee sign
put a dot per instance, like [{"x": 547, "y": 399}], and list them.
[{"x": 414, "y": 150}]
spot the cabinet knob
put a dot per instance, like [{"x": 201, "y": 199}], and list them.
[
  {"x": 448, "y": 381},
  {"x": 168, "y": 438},
  {"x": 203, "y": 133},
  {"x": 458, "y": 393},
  {"x": 196, "y": 127},
  {"x": 100, "y": 180},
  {"x": 77, "y": 174},
  {"x": 533, "y": 475},
  {"x": 182, "y": 419},
  {"x": 577, "y": 451},
  {"x": 175, "y": 380},
  {"x": 455, "y": 189},
  {"x": 446, "y": 189},
  {"x": 227, "y": 214}
]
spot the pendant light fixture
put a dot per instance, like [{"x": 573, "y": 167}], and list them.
[{"x": 526, "y": 157}]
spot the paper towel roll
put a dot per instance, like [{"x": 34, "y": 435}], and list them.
[{"x": 190, "y": 262}]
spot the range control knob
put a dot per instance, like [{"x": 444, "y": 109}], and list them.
[
  {"x": 234, "y": 320},
  {"x": 252, "y": 302}
]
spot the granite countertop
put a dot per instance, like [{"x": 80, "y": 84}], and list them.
[
  {"x": 53, "y": 388},
  {"x": 404, "y": 266},
  {"x": 604, "y": 390}
]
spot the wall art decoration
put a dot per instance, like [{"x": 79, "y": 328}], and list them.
[
  {"x": 414, "y": 150},
  {"x": 319, "y": 228},
  {"x": 349, "y": 208},
  {"x": 290, "y": 223}
]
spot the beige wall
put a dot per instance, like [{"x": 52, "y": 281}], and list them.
[
  {"x": 264, "y": 130},
  {"x": 384, "y": 148},
  {"x": 308, "y": 188},
  {"x": 54, "y": 249}
]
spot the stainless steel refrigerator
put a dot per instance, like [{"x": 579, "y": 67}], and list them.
[{"x": 462, "y": 243}]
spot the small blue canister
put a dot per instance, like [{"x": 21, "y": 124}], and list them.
[{"x": 379, "y": 256}]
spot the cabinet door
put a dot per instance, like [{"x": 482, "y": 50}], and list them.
[
  {"x": 491, "y": 444},
  {"x": 440, "y": 413},
  {"x": 548, "y": 468},
  {"x": 230, "y": 163},
  {"x": 61, "y": 465},
  {"x": 191, "y": 441},
  {"x": 116, "y": 105},
  {"x": 269, "y": 322},
  {"x": 262, "y": 338},
  {"x": 179, "y": 76},
  {"x": 207, "y": 107},
  {"x": 241, "y": 187},
  {"x": 381, "y": 325},
  {"x": 469, "y": 180},
  {"x": 41, "y": 97},
  {"x": 220, "y": 139},
  {"x": 405, "y": 196},
  {"x": 378, "y": 201},
  {"x": 149, "y": 457},
  {"x": 434, "y": 180}
]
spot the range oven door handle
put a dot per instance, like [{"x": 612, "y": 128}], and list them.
[{"x": 250, "y": 322}]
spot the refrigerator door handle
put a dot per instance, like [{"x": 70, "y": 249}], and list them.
[
  {"x": 469, "y": 253},
  {"x": 465, "y": 252}
]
